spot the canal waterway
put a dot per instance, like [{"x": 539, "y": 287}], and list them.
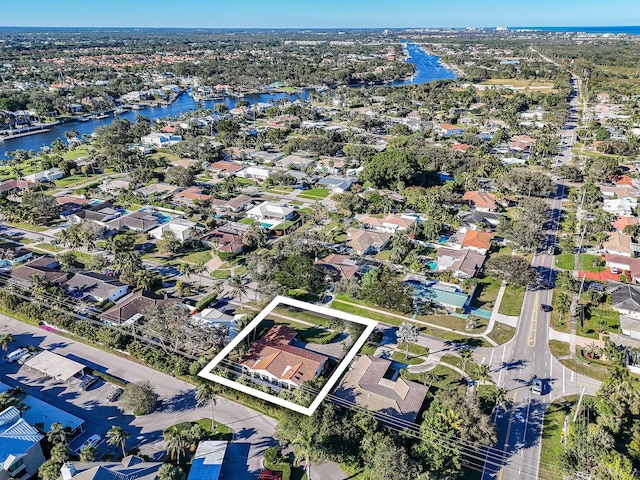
[{"x": 428, "y": 68}]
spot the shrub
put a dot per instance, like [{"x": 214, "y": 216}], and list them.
[
  {"x": 274, "y": 461},
  {"x": 205, "y": 301}
]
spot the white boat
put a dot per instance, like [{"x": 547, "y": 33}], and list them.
[
  {"x": 120, "y": 111},
  {"x": 136, "y": 107}
]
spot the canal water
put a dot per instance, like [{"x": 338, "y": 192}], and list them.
[{"x": 428, "y": 68}]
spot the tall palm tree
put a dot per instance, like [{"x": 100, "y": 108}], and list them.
[
  {"x": 185, "y": 269},
  {"x": 177, "y": 444},
  {"x": 145, "y": 279},
  {"x": 118, "y": 436},
  {"x": 407, "y": 333},
  {"x": 303, "y": 450},
  {"x": 238, "y": 288},
  {"x": 5, "y": 340},
  {"x": 500, "y": 397},
  {"x": 206, "y": 393},
  {"x": 199, "y": 269},
  {"x": 429, "y": 378},
  {"x": 466, "y": 354},
  {"x": 482, "y": 375}
]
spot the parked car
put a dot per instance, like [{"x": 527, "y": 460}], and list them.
[
  {"x": 93, "y": 441},
  {"x": 15, "y": 355},
  {"x": 536, "y": 386},
  {"x": 115, "y": 394},
  {"x": 23, "y": 359},
  {"x": 87, "y": 381}
]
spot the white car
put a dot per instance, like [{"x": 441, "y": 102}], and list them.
[{"x": 93, "y": 441}]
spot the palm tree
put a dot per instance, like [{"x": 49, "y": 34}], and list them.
[
  {"x": 145, "y": 279},
  {"x": 199, "y": 269},
  {"x": 118, "y": 436},
  {"x": 88, "y": 453},
  {"x": 57, "y": 434},
  {"x": 238, "y": 288},
  {"x": 500, "y": 398},
  {"x": 206, "y": 393},
  {"x": 5, "y": 340},
  {"x": 429, "y": 378},
  {"x": 303, "y": 450},
  {"x": 483, "y": 375},
  {"x": 177, "y": 444},
  {"x": 466, "y": 354},
  {"x": 407, "y": 333},
  {"x": 185, "y": 269}
]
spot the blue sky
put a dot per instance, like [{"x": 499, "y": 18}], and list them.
[{"x": 317, "y": 14}]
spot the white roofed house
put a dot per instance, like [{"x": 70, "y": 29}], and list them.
[
  {"x": 254, "y": 173},
  {"x": 182, "y": 228},
  {"x": 45, "y": 175},
  {"x": 94, "y": 287},
  {"x": 337, "y": 184},
  {"x": 159, "y": 139},
  {"x": 268, "y": 212},
  {"x": 620, "y": 206}
]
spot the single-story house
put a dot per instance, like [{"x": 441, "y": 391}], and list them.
[
  {"x": 110, "y": 185},
  {"x": 295, "y": 161},
  {"x": 483, "y": 201},
  {"x": 340, "y": 266},
  {"x": 618, "y": 243},
  {"x": 254, "y": 173},
  {"x": 271, "y": 211},
  {"x": 624, "y": 264},
  {"x": 448, "y": 130},
  {"x": 45, "y": 266},
  {"x": 391, "y": 223},
  {"x": 477, "y": 240},
  {"x": 131, "y": 308},
  {"x": 463, "y": 263},
  {"x": 363, "y": 242},
  {"x": 621, "y": 207},
  {"x": 441, "y": 294},
  {"x": 273, "y": 358},
  {"x": 621, "y": 222},
  {"x": 337, "y": 184},
  {"x": 224, "y": 168},
  {"x": 181, "y": 227},
  {"x": 207, "y": 461},
  {"x": 12, "y": 253},
  {"x": 159, "y": 139},
  {"x": 94, "y": 287},
  {"x": 140, "y": 220},
  {"x": 235, "y": 204},
  {"x": 13, "y": 185},
  {"x": 100, "y": 213},
  {"x": 375, "y": 384},
  {"x": 477, "y": 218},
  {"x": 45, "y": 175},
  {"x": 625, "y": 298},
  {"x": 162, "y": 189},
  {"x": 188, "y": 196},
  {"x": 130, "y": 467}
]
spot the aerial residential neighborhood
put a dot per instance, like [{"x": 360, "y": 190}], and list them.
[{"x": 319, "y": 254}]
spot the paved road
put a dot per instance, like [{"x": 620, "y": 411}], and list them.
[{"x": 527, "y": 356}]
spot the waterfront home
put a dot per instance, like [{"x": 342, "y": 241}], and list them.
[
  {"x": 181, "y": 228},
  {"x": 45, "y": 175},
  {"x": 376, "y": 385},
  {"x": 160, "y": 140},
  {"x": 274, "y": 359}
]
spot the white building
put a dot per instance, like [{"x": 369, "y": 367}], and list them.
[
  {"x": 159, "y": 139},
  {"x": 181, "y": 227},
  {"x": 45, "y": 175}
]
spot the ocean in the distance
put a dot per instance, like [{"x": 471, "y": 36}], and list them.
[{"x": 629, "y": 30}]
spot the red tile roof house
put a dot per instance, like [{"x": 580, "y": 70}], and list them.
[
  {"x": 224, "y": 168},
  {"x": 623, "y": 222},
  {"x": 624, "y": 264},
  {"x": 188, "y": 196},
  {"x": 391, "y": 223},
  {"x": 483, "y": 201},
  {"x": 224, "y": 241},
  {"x": 477, "y": 240},
  {"x": 366, "y": 241},
  {"x": 235, "y": 204},
  {"x": 275, "y": 360},
  {"x": 16, "y": 185},
  {"x": 337, "y": 266}
]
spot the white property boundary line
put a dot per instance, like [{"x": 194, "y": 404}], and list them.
[{"x": 206, "y": 372}]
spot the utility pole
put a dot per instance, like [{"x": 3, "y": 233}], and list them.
[{"x": 575, "y": 415}]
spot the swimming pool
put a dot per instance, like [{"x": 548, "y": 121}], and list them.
[
  {"x": 443, "y": 239},
  {"x": 432, "y": 264}
]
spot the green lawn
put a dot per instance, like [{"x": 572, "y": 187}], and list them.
[
  {"x": 28, "y": 226},
  {"x": 47, "y": 247},
  {"x": 592, "y": 318},
  {"x": 196, "y": 257},
  {"x": 551, "y": 448},
  {"x": 411, "y": 360},
  {"x": 558, "y": 348},
  {"x": 315, "y": 193},
  {"x": 512, "y": 299},
  {"x": 383, "y": 255},
  {"x": 565, "y": 261},
  {"x": 246, "y": 221},
  {"x": 486, "y": 292},
  {"x": 586, "y": 263},
  {"x": 502, "y": 333}
]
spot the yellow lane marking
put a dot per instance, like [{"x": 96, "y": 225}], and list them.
[
  {"x": 533, "y": 330},
  {"x": 506, "y": 440}
]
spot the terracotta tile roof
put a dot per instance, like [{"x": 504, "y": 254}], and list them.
[
  {"x": 622, "y": 222},
  {"x": 224, "y": 166},
  {"x": 477, "y": 239},
  {"x": 480, "y": 199},
  {"x": 274, "y": 354}
]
